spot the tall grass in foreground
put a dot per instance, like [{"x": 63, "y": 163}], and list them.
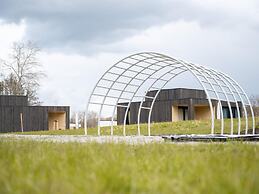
[
  {"x": 38, "y": 167},
  {"x": 164, "y": 128}
]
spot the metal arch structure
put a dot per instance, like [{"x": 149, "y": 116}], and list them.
[{"x": 130, "y": 75}]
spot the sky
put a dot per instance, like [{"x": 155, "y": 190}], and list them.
[{"x": 80, "y": 39}]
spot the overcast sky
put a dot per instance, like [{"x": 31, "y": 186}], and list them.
[{"x": 80, "y": 39}]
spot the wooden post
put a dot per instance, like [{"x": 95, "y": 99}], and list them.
[
  {"x": 191, "y": 110},
  {"x": 21, "y": 119}
]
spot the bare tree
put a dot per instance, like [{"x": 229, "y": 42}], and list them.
[
  {"x": 23, "y": 71},
  {"x": 80, "y": 118},
  {"x": 92, "y": 119},
  {"x": 11, "y": 85},
  {"x": 1, "y": 79},
  {"x": 254, "y": 99}
]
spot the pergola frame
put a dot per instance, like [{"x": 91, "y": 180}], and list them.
[{"x": 149, "y": 63}]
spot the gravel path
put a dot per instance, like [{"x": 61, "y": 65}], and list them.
[
  {"x": 106, "y": 139},
  {"x": 85, "y": 139}
]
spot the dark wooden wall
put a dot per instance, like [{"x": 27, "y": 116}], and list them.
[
  {"x": 162, "y": 110},
  {"x": 175, "y": 94},
  {"x": 11, "y": 100},
  {"x": 34, "y": 117}
]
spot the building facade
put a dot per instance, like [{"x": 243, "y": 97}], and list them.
[
  {"x": 16, "y": 115},
  {"x": 174, "y": 105}
]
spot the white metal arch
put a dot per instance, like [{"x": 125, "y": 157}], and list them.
[
  {"x": 218, "y": 78},
  {"x": 210, "y": 75},
  {"x": 187, "y": 68},
  {"x": 139, "y": 69},
  {"x": 236, "y": 85}
]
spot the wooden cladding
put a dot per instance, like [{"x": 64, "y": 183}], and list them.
[{"x": 34, "y": 118}]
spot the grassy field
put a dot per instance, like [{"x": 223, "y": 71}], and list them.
[
  {"x": 180, "y": 127},
  {"x": 45, "y": 167},
  {"x": 34, "y": 167}
]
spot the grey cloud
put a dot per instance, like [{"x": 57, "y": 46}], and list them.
[
  {"x": 87, "y": 21},
  {"x": 84, "y": 24}
]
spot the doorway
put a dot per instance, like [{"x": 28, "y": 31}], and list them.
[
  {"x": 182, "y": 113},
  {"x": 128, "y": 118},
  {"x": 56, "y": 120}
]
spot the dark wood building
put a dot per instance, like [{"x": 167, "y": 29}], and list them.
[
  {"x": 174, "y": 105},
  {"x": 15, "y": 115}
]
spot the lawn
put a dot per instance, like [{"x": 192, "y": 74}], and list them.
[
  {"x": 179, "y": 127},
  {"x": 41, "y": 167},
  {"x": 45, "y": 167}
]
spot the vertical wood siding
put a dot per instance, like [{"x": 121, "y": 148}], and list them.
[{"x": 34, "y": 117}]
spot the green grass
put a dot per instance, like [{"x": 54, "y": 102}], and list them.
[
  {"x": 180, "y": 127},
  {"x": 41, "y": 167}
]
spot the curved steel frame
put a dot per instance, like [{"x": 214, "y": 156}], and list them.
[{"x": 150, "y": 64}]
